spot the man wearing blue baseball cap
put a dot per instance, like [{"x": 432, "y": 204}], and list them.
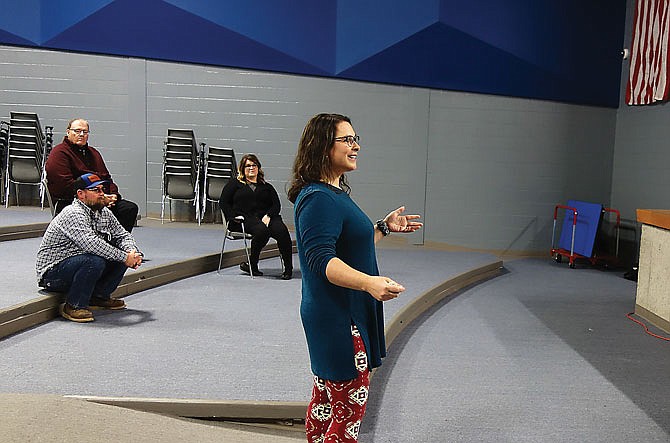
[{"x": 85, "y": 252}]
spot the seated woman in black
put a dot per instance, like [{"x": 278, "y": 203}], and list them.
[{"x": 255, "y": 199}]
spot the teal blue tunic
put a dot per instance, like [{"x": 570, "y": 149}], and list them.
[{"x": 329, "y": 224}]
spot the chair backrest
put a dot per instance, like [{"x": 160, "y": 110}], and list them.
[
  {"x": 4, "y": 139},
  {"x": 26, "y": 120},
  {"x": 219, "y": 168},
  {"x": 179, "y": 187},
  {"x": 23, "y": 162},
  {"x": 181, "y": 165}
]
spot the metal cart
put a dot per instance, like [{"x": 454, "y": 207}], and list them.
[{"x": 596, "y": 258}]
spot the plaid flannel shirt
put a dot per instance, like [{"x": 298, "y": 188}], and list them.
[{"x": 80, "y": 230}]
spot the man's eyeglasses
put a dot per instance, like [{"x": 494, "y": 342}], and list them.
[
  {"x": 79, "y": 131},
  {"x": 250, "y": 166},
  {"x": 97, "y": 190},
  {"x": 349, "y": 140}
]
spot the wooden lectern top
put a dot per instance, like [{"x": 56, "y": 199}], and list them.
[{"x": 655, "y": 217}]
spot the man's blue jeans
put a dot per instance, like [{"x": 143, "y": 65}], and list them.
[{"x": 84, "y": 276}]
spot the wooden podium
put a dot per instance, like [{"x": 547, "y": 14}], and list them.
[{"x": 652, "y": 301}]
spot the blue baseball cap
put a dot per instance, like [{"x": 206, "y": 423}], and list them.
[{"x": 89, "y": 181}]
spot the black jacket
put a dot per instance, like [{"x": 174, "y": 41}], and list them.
[{"x": 238, "y": 198}]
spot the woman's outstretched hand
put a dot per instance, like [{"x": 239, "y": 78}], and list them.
[
  {"x": 383, "y": 288},
  {"x": 402, "y": 223}
]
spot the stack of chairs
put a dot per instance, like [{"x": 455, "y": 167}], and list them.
[
  {"x": 220, "y": 166},
  {"x": 27, "y": 151},
  {"x": 182, "y": 164},
  {"x": 4, "y": 142}
]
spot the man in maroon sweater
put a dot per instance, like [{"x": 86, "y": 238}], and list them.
[{"x": 73, "y": 158}]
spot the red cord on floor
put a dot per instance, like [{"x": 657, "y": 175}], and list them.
[{"x": 630, "y": 316}]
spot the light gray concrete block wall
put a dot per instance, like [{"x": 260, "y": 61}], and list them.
[
  {"x": 485, "y": 171},
  {"x": 265, "y": 113},
  {"x": 108, "y": 91},
  {"x": 497, "y": 166}
]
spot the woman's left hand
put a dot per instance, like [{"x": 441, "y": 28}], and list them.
[{"x": 402, "y": 223}]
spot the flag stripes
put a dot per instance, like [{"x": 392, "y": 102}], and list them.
[{"x": 648, "y": 80}]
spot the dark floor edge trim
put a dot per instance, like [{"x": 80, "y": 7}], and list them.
[
  {"x": 195, "y": 408},
  {"x": 269, "y": 410},
  {"x": 19, "y": 232},
  {"x": 652, "y": 318}
]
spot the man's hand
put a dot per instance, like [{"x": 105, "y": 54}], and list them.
[
  {"x": 110, "y": 200},
  {"x": 133, "y": 259}
]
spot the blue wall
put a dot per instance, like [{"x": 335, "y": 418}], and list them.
[{"x": 563, "y": 50}]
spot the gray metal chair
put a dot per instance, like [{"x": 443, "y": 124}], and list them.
[
  {"x": 26, "y": 154},
  {"x": 235, "y": 235},
  {"x": 23, "y": 167},
  {"x": 4, "y": 146},
  {"x": 220, "y": 166},
  {"x": 181, "y": 171}
]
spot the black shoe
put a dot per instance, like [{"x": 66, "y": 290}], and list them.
[
  {"x": 244, "y": 267},
  {"x": 287, "y": 275}
]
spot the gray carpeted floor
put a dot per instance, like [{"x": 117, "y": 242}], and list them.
[
  {"x": 211, "y": 336},
  {"x": 542, "y": 353}
]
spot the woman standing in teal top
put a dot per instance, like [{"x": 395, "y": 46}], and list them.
[{"x": 342, "y": 292}]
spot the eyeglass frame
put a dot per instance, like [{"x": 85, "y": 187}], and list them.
[
  {"x": 250, "y": 166},
  {"x": 79, "y": 131},
  {"x": 349, "y": 140},
  {"x": 98, "y": 189}
]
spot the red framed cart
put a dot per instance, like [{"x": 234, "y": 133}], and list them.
[{"x": 583, "y": 231}]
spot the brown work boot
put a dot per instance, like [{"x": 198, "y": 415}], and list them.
[
  {"x": 106, "y": 303},
  {"x": 79, "y": 315}
]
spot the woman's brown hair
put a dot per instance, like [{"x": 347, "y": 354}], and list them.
[
  {"x": 241, "y": 176},
  {"x": 312, "y": 162}
]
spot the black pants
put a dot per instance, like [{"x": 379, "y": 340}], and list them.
[
  {"x": 261, "y": 235},
  {"x": 125, "y": 212}
]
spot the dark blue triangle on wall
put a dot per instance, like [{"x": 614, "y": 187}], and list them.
[
  {"x": 157, "y": 30},
  {"x": 13, "y": 39},
  {"x": 443, "y": 57}
]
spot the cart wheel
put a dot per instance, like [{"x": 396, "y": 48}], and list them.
[
  {"x": 572, "y": 266},
  {"x": 558, "y": 258}
]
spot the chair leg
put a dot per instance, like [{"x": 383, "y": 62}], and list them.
[
  {"x": 162, "y": 208},
  {"x": 42, "y": 194},
  {"x": 225, "y": 235},
  {"x": 246, "y": 250},
  {"x": 7, "y": 195}
]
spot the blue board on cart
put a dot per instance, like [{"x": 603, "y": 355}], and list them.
[{"x": 588, "y": 219}]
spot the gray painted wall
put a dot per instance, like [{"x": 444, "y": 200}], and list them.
[
  {"x": 499, "y": 165},
  {"x": 641, "y": 170},
  {"x": 485, "y": 171}
]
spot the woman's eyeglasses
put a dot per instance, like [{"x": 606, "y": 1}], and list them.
[
  {"x": 250, "y": 166},
  {"x": 349, "y": 140}
]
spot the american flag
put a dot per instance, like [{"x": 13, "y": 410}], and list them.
[{"x": 648, "y": 80}]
